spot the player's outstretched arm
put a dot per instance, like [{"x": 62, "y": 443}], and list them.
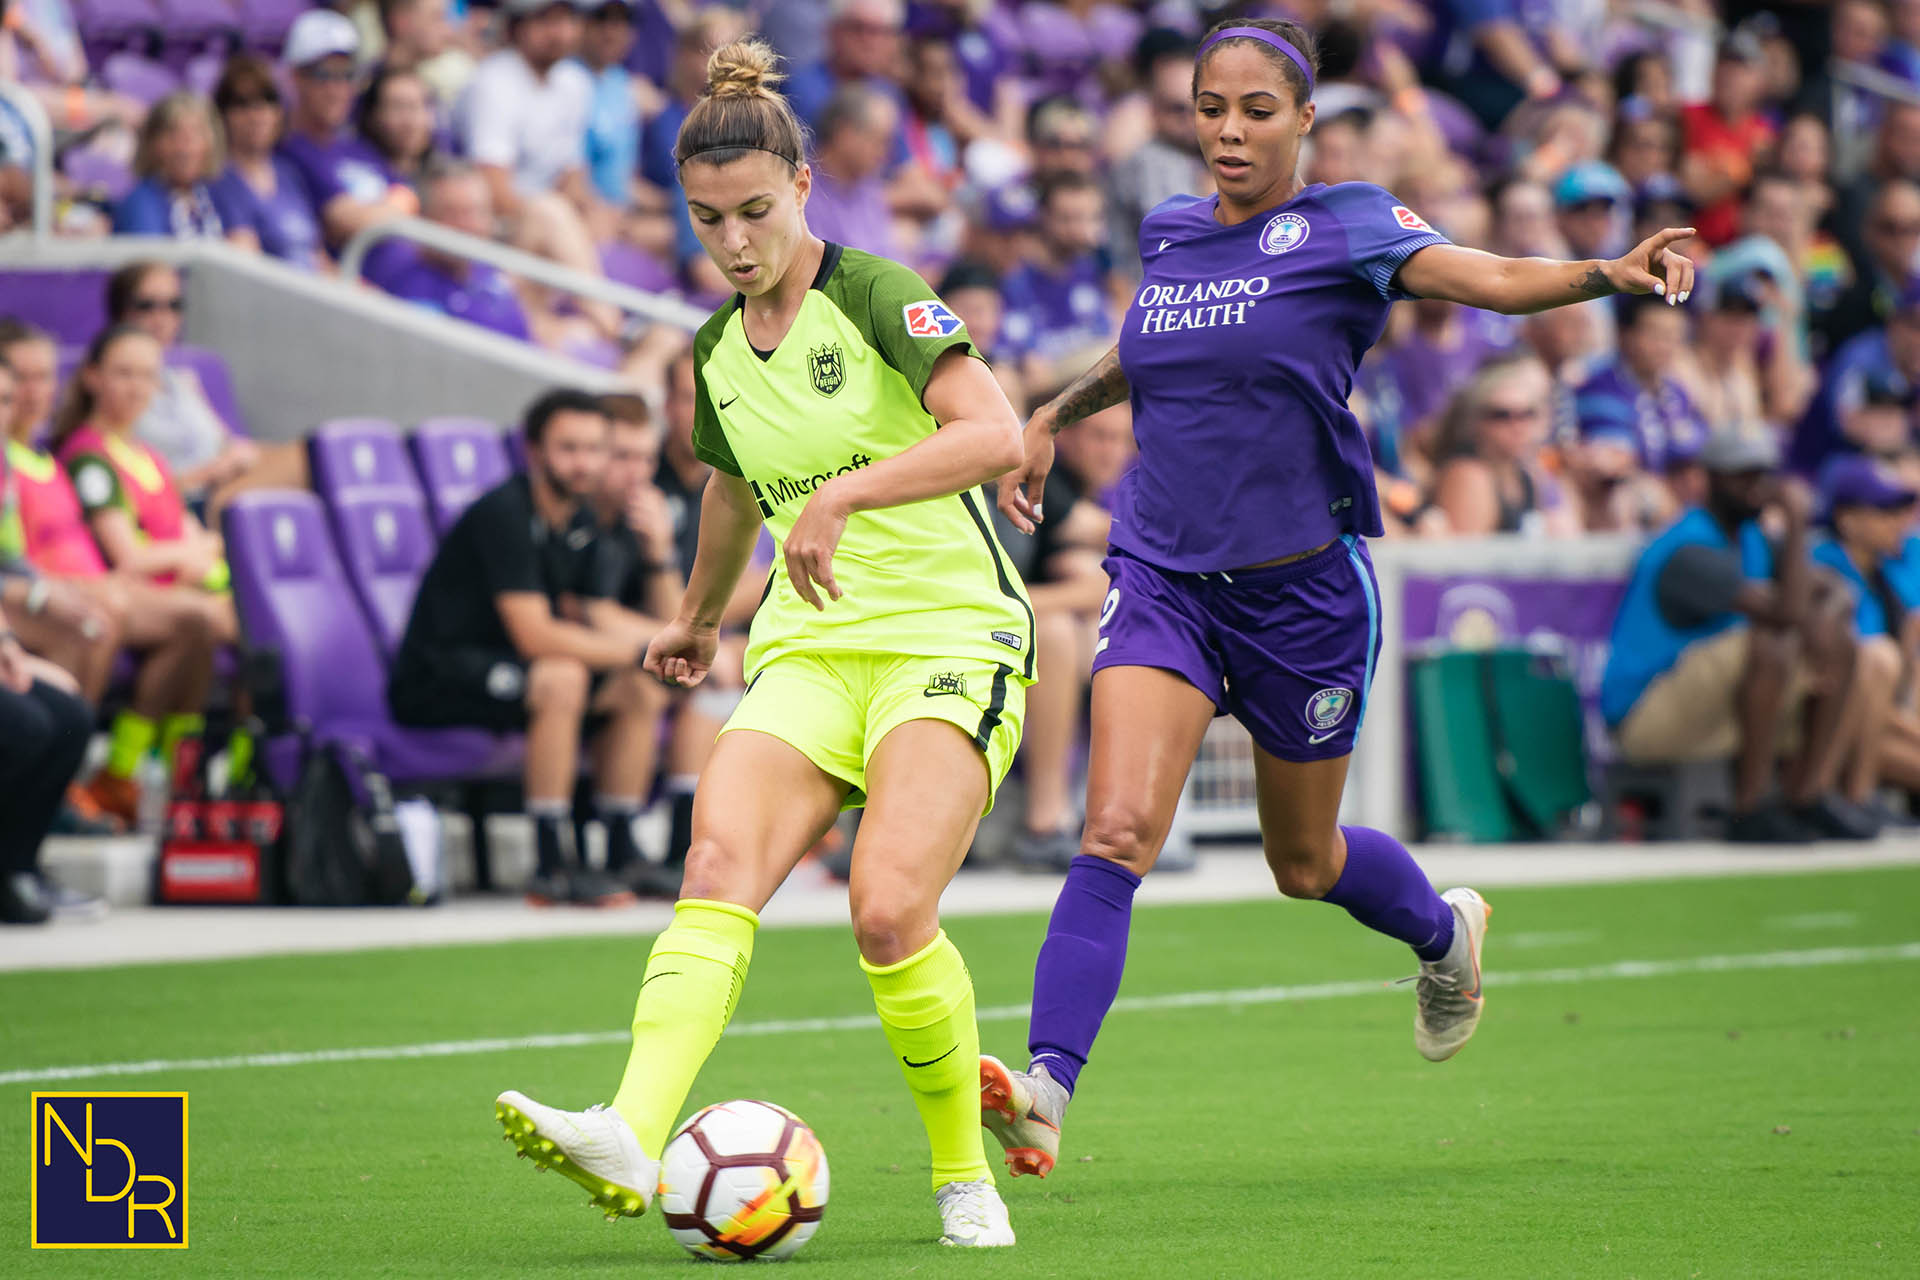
[
  {"x": 1100, "y": 387},
  {"x": 978, "y": 439},
  {"x": 681, "y": 653},
  {"x": 1520, "y": 286}
]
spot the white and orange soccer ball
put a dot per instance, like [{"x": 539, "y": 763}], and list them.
[{"x": 743, "y": 1180}]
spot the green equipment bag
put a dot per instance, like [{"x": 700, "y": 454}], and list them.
[{"x": 1499, "y": 739}]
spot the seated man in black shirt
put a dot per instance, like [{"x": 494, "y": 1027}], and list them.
[{"x": 512, "y": 631}]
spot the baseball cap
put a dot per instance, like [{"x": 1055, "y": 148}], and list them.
[
  {"x": 1855, "y": 480},
  {"x": 1732, "y": 450},
  {"x": 319, "y": 34},
  {"x": 527, "y": 8},
  {"x": 1591, "y": 181},
  {"x": 1661, "y": 188},
  {"x": 1735, "y": 293},
  {"x": 1887, "y": 387},
  {"x": 1010, "y": 207}
]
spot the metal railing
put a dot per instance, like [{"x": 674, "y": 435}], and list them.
[
  {"x": 21, "y": 99},
  {"x": 1873, "y": 80},
  {"x": 653, "y": 306}
]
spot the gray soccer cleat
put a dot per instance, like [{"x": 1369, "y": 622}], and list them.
[{"x": 1447, "y": 1000}]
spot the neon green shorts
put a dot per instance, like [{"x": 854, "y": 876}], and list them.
[{"x": 835, "y": 708}]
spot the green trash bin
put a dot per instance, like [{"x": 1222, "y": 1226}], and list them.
[{"x": 1499, "y": 744}]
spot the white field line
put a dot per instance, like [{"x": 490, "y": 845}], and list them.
[{"x": 1816, "y": 958}]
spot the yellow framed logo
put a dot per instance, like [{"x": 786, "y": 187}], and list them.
[{"x": 109, "y": 1171}]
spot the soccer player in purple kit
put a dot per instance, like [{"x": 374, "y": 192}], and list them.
[{"x": 1240, "y": 577}]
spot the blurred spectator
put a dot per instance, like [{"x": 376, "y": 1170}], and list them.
[
  {"x": 1169, "y": 163},
  {"x": 1491, "y": 478},
  {"x": 1660, "y": 201},
  {"x": 1523, "y": 222},
  {"x": 940, "y": 119},
  {"x": 643, "y": 581},
  {"x": 848, "y": 204},
  {"x": 421, "y": 39},
  {"x": 1806, "y": 157},
  {"x": 1867, "y": 396},
  {"x": 1779, "y": 208},
  {"x": 1729, "y": 645},
  {"x": 248, "y": 99},
  {"x": 863, "y": 47},
  {"x": 1869, "y": 510},
  {"x": 1647, "y": 75},
  {"x": 1726, "y": 138},
  {"x": 1059, "y": 304},
  {"x": 1078, "y": 48},
  {"x": 1901, "y": 54},
  {"x": 1857, "y": 35},
  {"x": 1483, "y": 56},
  {"x": 44, "y": 728},
  {"x": 1435, "y": 354},
  {"x": 1064, "y": 138},
  {"x": 1338, "y": 143},
  {"x": 1895, "y": 158},
  {"x": 40, "y": 49},
  {"x": 1748, "y": 363},
  {"x": 705, "y": 31},
  {"x": 524, "y": 122},
  {"x": 512, "y": 631},
  {"x": 613, "y": 123},
  {"x": 1592, "y": 200},
  {"x": 1890, "y": 235},
  {"x": 1635, "y": 401},
  {"x": 1000, "y": 228},
  {"x": 1645, "y": 142},
  {"x": 347, "y": 181},
  {"x": 455, "y": 195},
  {"x": 35, "y": 363},
  {"x": 972, "y": 291},
  {"x": 208, "y": 459},
  {"x": 179, "y": 156},
  {"x": 395, "y": 118},
  {"x": 984, "y": 41},
  {"x": 66, "y": 584}
]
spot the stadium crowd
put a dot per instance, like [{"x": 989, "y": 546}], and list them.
[{"x": 1008, "y": 150}]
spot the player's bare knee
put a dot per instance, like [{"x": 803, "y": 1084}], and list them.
[
  {"x": 889, "y": 927},
  {"x": 557, "y": 685},
  {"x": 1302, "y": 868},
  {"x": 1123, "y": 832},
  {"x": 716, "y": 871}
]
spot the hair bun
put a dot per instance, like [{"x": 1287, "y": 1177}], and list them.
[{"x": 744, "y": 68}]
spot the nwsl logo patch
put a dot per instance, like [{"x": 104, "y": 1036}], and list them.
[
  {"x": 1409, "y": 219},
  {"x": 930, "y": 319}
]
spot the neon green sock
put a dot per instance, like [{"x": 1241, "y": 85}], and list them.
[
  {"x": 692, "y": 984},
  {"x": 239, "y": 759},
  {"x": 926, "y": 1009},
  {"x": 173, "y": 728},
  {"x": 131, "y": 737}
]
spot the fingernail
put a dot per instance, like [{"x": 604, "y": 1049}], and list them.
[
  {"x": 1038, "y": 514},
  {"x": 1685, "y": 294},
  {"x": 1659, "y": 288}
]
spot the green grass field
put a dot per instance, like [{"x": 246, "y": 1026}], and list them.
[{"x": 1683, "y": 1118}]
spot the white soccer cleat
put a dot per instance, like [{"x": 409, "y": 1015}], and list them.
[
  {"x": 1023, "y": 1109},
  {"x": 595, "y": 1148},
  {"x": 1447, "y": 1000},
  {"x": 972, "y": 1216}
]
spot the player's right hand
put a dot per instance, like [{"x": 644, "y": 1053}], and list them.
[
  {"x": 681, "y": 653},
  {"x": 1020, "y": 488}
]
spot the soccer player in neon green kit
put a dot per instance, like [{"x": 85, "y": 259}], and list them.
[{"x": 842, "y": 404}]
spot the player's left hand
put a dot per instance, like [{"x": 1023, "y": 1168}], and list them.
[
  {"x": 810, "y": 545},
  {"x": 1652, "y": 267}
]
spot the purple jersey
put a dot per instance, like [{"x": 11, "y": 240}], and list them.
[
  {"x": 345, "y": 166},
  {"x": 1663, "y": 426},
  {"x": 1052, "y": 314},
  {"x": 484, "y": 297},
  {"x": 1240, "y": 349}
]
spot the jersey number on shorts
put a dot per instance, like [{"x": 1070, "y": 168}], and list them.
[{"x": 1107, "y": 609}]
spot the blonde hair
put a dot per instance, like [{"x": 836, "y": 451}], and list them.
[
  {"x": 170, "y": 111},
  {"x": 741, "y": 110}
]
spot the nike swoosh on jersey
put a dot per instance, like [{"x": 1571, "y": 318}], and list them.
[
  {"x": 725, "y": 403},
  {"x": 1163, "y": 244},
  {"x": 1314, "y": 741}
]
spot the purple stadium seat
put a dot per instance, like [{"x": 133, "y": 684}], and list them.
[
  {"x": 211, "y": 367},
  {"x": 459, "y": 459},
  {"x": 357, "y": 453},
  {"x": 70, "y": 305},
  {"x": 264, "y": 23},
  {"x": 516, "y": 450},
  {"x": 97, "y": 174},
  {"x": 109, "y": 26},
  {"x": 202, "y": 72},
  {"x": 295, "y": 603},
  {"x": 138, "y": 78},
  {"x": 190, "y": 28},
  {"x": 386, "y": 544}
]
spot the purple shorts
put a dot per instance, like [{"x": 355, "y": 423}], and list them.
[{"x": 1288, "y": 651}]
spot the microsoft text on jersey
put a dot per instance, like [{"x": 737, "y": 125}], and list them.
[{"x": 777, "y": 493}]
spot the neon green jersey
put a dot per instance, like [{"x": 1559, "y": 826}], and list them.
[{"x": 842, "y": 391}]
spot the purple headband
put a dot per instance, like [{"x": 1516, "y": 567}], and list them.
[{"x": 1264, "y": 37}]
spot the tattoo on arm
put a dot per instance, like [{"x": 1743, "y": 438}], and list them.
[
  {"x": 1098, "y": 388},
  {"x": 1594, "y": 284}
]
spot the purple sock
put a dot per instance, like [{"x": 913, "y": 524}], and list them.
[
  {"x": 1078, "y": 973},
  {"x": 1384, "y": 889}
]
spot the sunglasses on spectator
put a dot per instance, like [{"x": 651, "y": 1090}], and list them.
[
  {"x": 1888, "y": 227},
  {"x": 1066, "y": 143},
  {"x": 336, "y": 75},
  {"x": 1599, "y": 204},
  {"x": 1509, "y": 413},
  {"x": 238, "y": 104},
  {"x": 174, "y": 304}
]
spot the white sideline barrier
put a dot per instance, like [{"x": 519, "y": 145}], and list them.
[{"x": 1220, "y": 797}]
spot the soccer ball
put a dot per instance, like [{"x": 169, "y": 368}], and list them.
[{"x": 743, "y": 1180}]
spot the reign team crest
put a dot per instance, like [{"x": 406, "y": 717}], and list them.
[{"x": 827, "y": 366}]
